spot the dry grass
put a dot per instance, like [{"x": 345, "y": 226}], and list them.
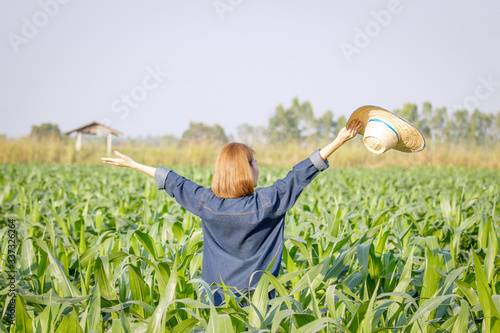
[{"x": 352, "y": 154}]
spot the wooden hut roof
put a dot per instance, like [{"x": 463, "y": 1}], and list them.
[{"x": 95, "y": 128}]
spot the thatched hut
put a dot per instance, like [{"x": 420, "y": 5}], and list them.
[{"x": 93, "y": 129}]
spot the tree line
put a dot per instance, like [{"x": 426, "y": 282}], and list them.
[{"x": 298, "y": 123}]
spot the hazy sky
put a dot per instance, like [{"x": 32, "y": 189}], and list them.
[{"x": 151, "y": 67}]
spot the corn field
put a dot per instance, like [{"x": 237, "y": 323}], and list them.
[{"x": 99, "y": 249}]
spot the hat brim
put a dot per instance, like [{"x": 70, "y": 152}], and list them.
[{"x": 410, "y": 138}]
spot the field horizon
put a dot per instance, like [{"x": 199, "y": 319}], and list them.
[{"x": 352, "y": 154}]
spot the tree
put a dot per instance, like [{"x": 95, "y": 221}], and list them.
[
  {"x": 308, "y": 125},
  {"x": 169, "y": 140},
  {"x": 426, "y": 120},
  {"x": 245, "y": 133},
  {"x": 474, "y": 134},
  {"x": 295, "y": 123},
  {"x": 202, "y": 133},
  {"x": 326, "y": 126},
  {"x": 438, "y": 124},
  {"x": 459, "y": 126},
  {"x": 252, "y": 134},
  {"x": 284, "y": 125},
  {"x": 341, "y": 123},
  {"x": 410, "y": 113},
  {"x": 480, "y": 128},
  {"x": 497, "y": 127},
  {"x": 46, "y": 130}
]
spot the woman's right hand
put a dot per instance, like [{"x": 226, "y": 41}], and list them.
[
  {"x": 346, "y": 134},
  {"x": 123, "y": 161}
]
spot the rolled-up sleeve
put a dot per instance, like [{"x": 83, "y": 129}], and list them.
[
  {"x": 318, "y": 162},
  {"x": 161, "y": 174}
]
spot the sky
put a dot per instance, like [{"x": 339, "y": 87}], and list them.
[{"x": 151, "y": 67}]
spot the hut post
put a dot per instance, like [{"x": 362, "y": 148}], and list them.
[
  {"x": 78, "y": 142},
  {"x": 108, "y": 146}
]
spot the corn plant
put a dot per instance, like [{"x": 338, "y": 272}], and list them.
[{"x": 99, "y": 249}]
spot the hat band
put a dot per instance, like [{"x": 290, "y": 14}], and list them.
[{"x": 386, "y": 124}]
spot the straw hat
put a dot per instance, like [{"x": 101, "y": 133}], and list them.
[{"x": 384, "y": 130}]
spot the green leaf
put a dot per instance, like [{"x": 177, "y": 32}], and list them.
[
  {"x": 303, "y": 283},
  {"x": 368, "y": 317},
  {"x": 125, "y": 322},
  {"x": 491, "y": 250},
  {"x": 50, "y": 227},
  {"x": 67, "y": 288},
  {"x": 428, "y": 306},
  {"x": 157, "y": 320},
  {"x": 491, "y": 317},
  {"x": 357, "y": 320},
  {"x": 106, "y": 290},
  {"x": 148, "y": 243},
  {"x": 94, "y": 319},
  {"x": 219, "y": 323},
  {"x": 258, "y": 306},
  {"x": 317, "y": 325},
  {"x": 404, "y": 281},
  {"x": 185, "y": 326},
  {"x": 330, "y": 300},
  {"x": 89, "y": 255},
  {"x": 206, "y": 288},
  {"x": 431, "y": 277},
  {"x": 278, "y": 318},
  {"x": 468, "y": 291},
  {"x": 24, "y": 323},
  {"x": 28, "y": 258},
  {"x": 302, "y": 319},
  {"x": 52, "y": 298},
  {"x": 83, "y": 239},
  {"x": 138, "y": 288},
  {"x": 382, "y": 240},
  {"x": 462, "y": 321},
  {"x": 70, "y": 324},
  {"x": 364, "y": 257},
  {"x": 59, "y": 221},
  {"x": 302, "y": 249}
]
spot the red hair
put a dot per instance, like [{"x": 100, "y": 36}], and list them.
[{"x": 233, "y": 176}]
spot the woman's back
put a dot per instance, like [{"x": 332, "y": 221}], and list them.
[{"x": 242, "y": 236}]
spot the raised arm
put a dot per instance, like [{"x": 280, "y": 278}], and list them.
[
  {"x": 125, "y": 161},
  {"x": 344, "y": 135}
]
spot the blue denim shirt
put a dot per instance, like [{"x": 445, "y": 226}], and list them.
[{"x": 241, "y": 235}]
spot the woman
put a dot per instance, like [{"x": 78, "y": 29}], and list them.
[{"x": 243, "y": 228}]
